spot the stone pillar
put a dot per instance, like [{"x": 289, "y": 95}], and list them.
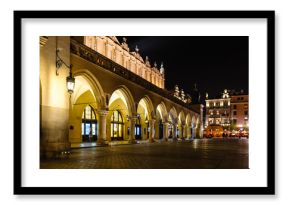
[
  {"x": 152, "y": 133},
  {"x": 183, "y": 131},
  {"x": 102, "y": 127},
  {"x": 133, "y": 120},
  {"x": 54, "y": 98},
  {"x": 193, "y": 132},
  {"x": 174, "y": 131},
  {"x": 165, "y": 131}
]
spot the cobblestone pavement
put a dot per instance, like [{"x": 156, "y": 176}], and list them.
[{"x": 196, "y": 154}]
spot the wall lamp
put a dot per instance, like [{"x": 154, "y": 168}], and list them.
[{"x": 70, "y": 80}]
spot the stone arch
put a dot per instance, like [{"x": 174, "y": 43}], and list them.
[
  {"x": 148, "y": 102},
  {"x": 161, "y": 109},
  {"x": 145, "y": 113},
  {"x": 181, "y": 124},
  {"x": 188, "y": 120},
  {"x": 195, "y": 120},
  {"x": 121, "y": 100},
  {"x": 87, "y": 92},
  {"x": 181, "y": 117},
  {"x": 189, "y": 128},
  {"x": 127, "y": 98},
  {"x": 173, "y": 115},
  {"x": 161, "y": 117},
  {"x": 94, "y": 86}
]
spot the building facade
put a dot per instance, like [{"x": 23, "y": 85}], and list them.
[
  {"x": 93, "y": 89},
  {"x": 120, "y": 53},
  {"x": 218, "y": 110},
  {"x": 240, "y": 111},
  {"x": 229, "y": 112}
]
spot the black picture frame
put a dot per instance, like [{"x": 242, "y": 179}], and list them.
[{"x": 269, "y": 189}]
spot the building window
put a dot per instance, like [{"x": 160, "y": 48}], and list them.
[
  {"x": 117, "y": 126},
  {"x": 138, "y": 129},
  {"x": 246, "y": 112},
  {"x": 89, "y": 125},
  {"x": 235, "y": 113},
  {"x": 235, "y": 106},
  {"x": 234, "y": 121}
]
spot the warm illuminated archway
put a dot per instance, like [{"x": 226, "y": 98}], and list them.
[
  {"x": 145, "y": 111},
  {"x": 188, "y": 126},
  {"x": 181, "y": 125},
  {"x": 84, "y": 102},
  {"x": 161, "y": 117},
  {"x": 172, "y": 120},
  {"x": 121, "y": 104}
]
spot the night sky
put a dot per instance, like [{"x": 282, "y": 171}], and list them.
[{"x": 213, "y": 63}]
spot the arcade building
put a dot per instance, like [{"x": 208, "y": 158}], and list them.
[{"x": 95, "y": 91}]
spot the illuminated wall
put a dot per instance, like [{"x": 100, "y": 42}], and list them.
[
  {"x": 120, "y": 53},
  {"x": 239, "y": 110}
]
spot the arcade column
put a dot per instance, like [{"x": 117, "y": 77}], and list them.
[
  {"x": 102, "y": 127},
  {"x": 152, "y": 133}
]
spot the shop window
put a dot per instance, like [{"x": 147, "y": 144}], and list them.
[
  {"x": 117, "y": 126},
  {"x": 89, "y": 125}
]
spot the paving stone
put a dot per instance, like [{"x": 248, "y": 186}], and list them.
[{"x": 196, "y": 154}]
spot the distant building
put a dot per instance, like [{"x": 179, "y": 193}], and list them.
[
  {"x": 229, "y": 110},
  {"x": 239, "y": 111},
  {"x": 218, "y": 110}
]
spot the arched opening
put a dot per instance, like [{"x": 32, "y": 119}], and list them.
[
  {"x": 117, "y": 126},
  {"x": 83, "y": 118},
  {"x": 172, "y": 116},
  {"x": 181, "y": 125},
  {"x": 188, "y": 126},
  {"x": 89, "y": 125},
  {"x": 121, "y": 109},
  {"x": 161, "y": 117},
  {"x": 170, "y": 126},
  {"x": 144, "y": 113}
]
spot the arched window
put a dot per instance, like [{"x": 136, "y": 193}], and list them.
[
  {"x": 89, "y": 125},
  {"x": 117, "y": 126}
]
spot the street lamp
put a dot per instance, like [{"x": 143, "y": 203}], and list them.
[{"x": 70, "y": 80}]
